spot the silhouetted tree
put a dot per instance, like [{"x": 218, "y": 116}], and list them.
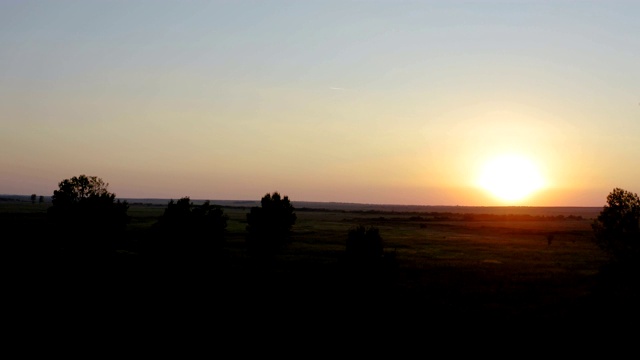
[
  {"x": 617, "y": 227},
  {"x": 33, "y": 198},
  {"x": 193, "y": 230},
  {"x": 270, "y": 224},
  {"x": 85, "y": 216},
  {"x": 367, "y": 265},
  {"x": 364, "y": 244}
]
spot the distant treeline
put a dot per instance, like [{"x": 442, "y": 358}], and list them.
[
  {"x": 501, "y": 217},
  {"x": 518, "y": 217},
  {"x": 22, "y": 198},
  {"x": 435, "y": 216},
  {"x": 441, "y": 212}
]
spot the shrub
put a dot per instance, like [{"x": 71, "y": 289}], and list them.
[
  {"x": 364, "y": 243},
  {"x": 85, "y": 216},
  {"x": 617, "y": 227},
  {"x": 269, "y": 225}
]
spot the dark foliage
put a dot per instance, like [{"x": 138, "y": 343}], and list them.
[
  {"x": 85, "y": 216},
  {"x": 617, "y": 228},
  {"x": 188, "y": 229},
  {"x": 617, "y": 231},
  {"x": 270, "y": 224},
  {"x": 364, "y": 244},
  {"x": 368, "y": 268}
]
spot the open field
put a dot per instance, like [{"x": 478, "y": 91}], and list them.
[{"x": 475, "y": 265}]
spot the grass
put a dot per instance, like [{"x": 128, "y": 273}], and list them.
[{"x": 441, "y": 266}]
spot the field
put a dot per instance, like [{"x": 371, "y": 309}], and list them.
[{"x": 446, "y": 264}]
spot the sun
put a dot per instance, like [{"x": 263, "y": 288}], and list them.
[{"x": 511, "y": 178}]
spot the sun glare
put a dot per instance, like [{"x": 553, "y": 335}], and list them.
[{"x": 510, "y": 178}]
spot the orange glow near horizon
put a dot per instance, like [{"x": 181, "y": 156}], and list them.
[{"x": 511, "y": 178}]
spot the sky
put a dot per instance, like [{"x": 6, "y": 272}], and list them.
[{"x": 378, "y": 102}]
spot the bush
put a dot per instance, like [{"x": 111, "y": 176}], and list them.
[
  {"x": 364, "y": 244},
  {"x": 85, "y": 216},
  {"x": 617, "y": 227},
  {"x": 194, "y": 230},
  {"x": 269, "y": 225}
]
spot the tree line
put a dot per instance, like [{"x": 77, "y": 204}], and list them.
[{"x": 87, "y": 219}]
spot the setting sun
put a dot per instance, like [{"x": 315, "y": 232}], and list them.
[{"x": 510, "y": 178}]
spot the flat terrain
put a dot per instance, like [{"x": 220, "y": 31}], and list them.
[{"x": 441, "y": 265}]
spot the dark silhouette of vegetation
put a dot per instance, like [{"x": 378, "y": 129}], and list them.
[
  {"x": 364, "y": 244},
  {"x": 41, "y": 199},
  {"x": 85, "y": 216},
  {"x": 617, "y": 231},
  {"x": 617, "y": 228},
  {"x": 188, "y": 229},
  {"x": 33, "y": 198},
  {"x": 429, "y": 286},
  {"x": 500, "y": 217},
  {"x": 368, "y": 267},
  {"x": 269, "y": 225}
]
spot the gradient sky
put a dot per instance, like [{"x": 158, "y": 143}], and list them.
[{"x": 387, "y": 102}]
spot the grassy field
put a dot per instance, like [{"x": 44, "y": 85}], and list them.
[{"x": 475, "y": 265}]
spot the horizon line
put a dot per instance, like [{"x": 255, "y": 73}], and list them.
[{"x": 339, "y": 202}]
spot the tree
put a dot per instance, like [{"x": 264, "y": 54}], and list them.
[
  {"x": 270, "y": 224},
  {"x": 85, "y": 216},
  {"x": 364, "y": 244},
  {"x": 366, "y": 264},
  {"x": 189, "y": 228},
  {"x": 33, "y": 198},
  {"x": 617, "y": 227}
]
